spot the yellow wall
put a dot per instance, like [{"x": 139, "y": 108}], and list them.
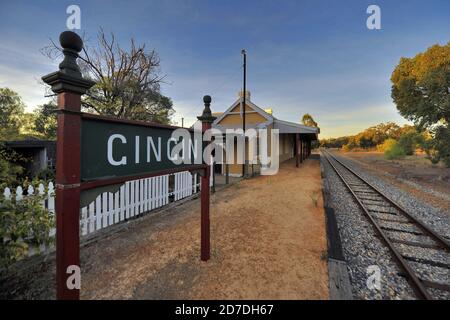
[
  {"x": 286, "y": 144},
  {"x": 250, "y": 118},
  {"x": 238, "y": 108}
]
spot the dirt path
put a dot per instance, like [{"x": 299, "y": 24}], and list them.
[{"x": 268, "y": 240}]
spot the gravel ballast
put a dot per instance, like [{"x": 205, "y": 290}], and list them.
[{"x": 363, "y": 247}]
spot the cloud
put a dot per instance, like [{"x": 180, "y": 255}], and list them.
[
  {"x": 26, "y": 84},
  {"x": 21, "y": 69}
]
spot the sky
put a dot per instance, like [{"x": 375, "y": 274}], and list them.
[{"x": 314, "y": 57}]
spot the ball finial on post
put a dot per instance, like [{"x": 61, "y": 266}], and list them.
[
  {"x": 69, "y": 78},
  {"x": 72, "y": 45},
  {"x": 207, "y": 99},
  {"x": 206, "y": 114},
  {"x": 69, "y": 40}
]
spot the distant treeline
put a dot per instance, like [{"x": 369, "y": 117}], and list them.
[
  {"x": 396, "y": 142},
  {"x": 370, "y": 138}
]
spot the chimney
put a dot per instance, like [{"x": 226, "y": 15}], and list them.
[{"x": 247, "y": 94}]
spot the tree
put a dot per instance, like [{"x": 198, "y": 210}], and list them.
[
  {"x": 11, "y": 111},
  {"x": 421, "y": 92},
  {"x": 45, "y": 120},
  {"x": 9, "y": 169},
  {"x": 308, "y": 120},
  {"x": 127, "y": 81},
  {"x": 410, "y": 140}
]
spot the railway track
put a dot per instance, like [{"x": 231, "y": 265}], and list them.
[{"x": 391, "y": 221}]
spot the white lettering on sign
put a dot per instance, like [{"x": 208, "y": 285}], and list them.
[
  {"x": 123, "y": 160},
  {"x": 151, "y": 146},
  {"x": 181, "y": 148},
  {"x": 136, "y": 150}
]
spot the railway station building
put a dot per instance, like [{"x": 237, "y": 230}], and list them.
[{"x": 294, "y": 138}]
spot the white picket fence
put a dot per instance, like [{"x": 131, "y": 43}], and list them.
[
  {"x": 132, "y": 199},
  {"x": 48, "y": 194},
  {"x": 135, "y": 198}
]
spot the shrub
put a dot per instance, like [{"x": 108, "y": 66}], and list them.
[
  {"x": 438, "y": 148},
  {"x": 410, "y": 141},
  {"x": 386, "y": 145},
  {"x": 346, "y": 148},
  {"x": 394, "y": 152},
  {"x": 23, "y": 224},
  {"x": 45, "y": 174}
]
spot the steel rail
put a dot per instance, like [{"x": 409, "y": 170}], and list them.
[
  {"x": 418, "y": 285},
  {"x": 444, "y": 243}
]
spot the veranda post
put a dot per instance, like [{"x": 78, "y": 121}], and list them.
[{"x": 69, "y": 85}]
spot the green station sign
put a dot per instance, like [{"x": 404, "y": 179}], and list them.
[{"x": 117, "y": 149}]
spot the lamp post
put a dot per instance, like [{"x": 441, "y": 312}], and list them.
[{"x": 244, "y": 54}]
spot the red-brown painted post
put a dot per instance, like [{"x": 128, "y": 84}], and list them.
[
  {"x": 205, "y": 252},
  {"x": 297, "y": 157},
  {"x": 69, "y": 84}
]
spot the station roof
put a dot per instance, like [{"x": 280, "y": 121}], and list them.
[{"x": 282, "y": 125}]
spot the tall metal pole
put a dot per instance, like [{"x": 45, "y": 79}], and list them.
[{"x": 244, "y": 53}]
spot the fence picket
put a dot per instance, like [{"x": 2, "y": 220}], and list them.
[
  {"x": 84, "y": 221},
  {"x": 160, "y": 194},
  {"x": 127, "y": 200},
  {"x": 19, "y": 193},
  {"x": 145, "y": 194},
  {"x": 110, "y": 208},
  {"x": 98, "y": 213},
  {"x": 153, "y": 193},
  {"x": 41, "y": 189},
  {"x": 122, "y": 203},
  {"x": 91, "y": 213},
  {"x": 116, "y": 207},
  {"x": 30, "y": 191},
  {"x": 7, "y": 193},
  {"x": 51, "y": 198}
]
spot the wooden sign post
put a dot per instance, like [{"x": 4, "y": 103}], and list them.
[
  {"x": 95, "y": 151},
  {"x": 207, "y": 119},
  {"x": 69, "y": 84}
]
